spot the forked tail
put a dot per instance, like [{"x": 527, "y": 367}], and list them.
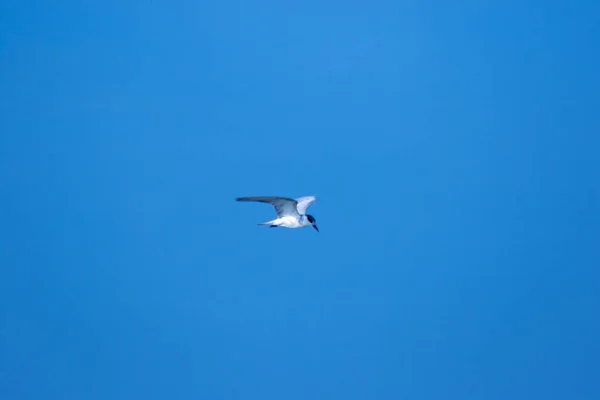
[{"x": 273, "y": 223}]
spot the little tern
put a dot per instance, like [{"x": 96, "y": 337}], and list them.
[{"x": 291, "y": 213}]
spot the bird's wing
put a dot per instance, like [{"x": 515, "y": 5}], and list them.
[
  {"x": 283, "y": 206},
  {"x": 304, "y": 203}
]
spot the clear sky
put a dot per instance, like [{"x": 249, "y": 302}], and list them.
[{"x": 453, "y": 147}]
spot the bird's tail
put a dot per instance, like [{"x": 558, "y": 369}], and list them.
[{"x": 271, "y": 223}]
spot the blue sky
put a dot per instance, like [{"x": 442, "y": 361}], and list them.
[{"x": 454, "y": 153}]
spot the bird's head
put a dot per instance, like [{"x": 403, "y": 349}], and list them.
[{"x": 312, "y": 221}]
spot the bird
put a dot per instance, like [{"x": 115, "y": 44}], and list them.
[{"x": 291, "y": 213}]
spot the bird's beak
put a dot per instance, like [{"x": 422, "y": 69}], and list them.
[{"x": 314, "y": 226}]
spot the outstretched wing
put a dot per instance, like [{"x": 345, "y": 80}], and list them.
[
  {"x": 304, "y": 203},
  {"x": 284, "y": 206}
]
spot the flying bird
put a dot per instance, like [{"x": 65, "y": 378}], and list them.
[{"x": 291, "y": 213}]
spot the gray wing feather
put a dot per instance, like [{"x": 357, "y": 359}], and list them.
[
  {"x": 283, "y": 206},
  {"x": 304, "y": 203}
]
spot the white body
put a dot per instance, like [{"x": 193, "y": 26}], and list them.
[
  {"x": 289, "y": 222},
  {"x": 291, "y": 213}
]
